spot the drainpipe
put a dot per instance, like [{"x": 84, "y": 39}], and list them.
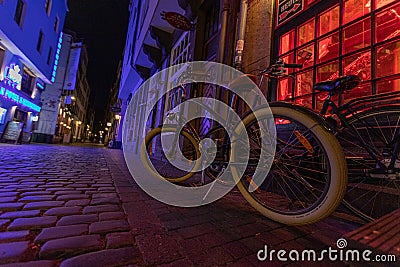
[
  {"x": 242, "y": 30},
  {"x": 224, "y": 29}
]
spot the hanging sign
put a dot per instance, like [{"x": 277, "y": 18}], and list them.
[
  {"x": 287, "y": 9},
  {"x": 177, "y": 20}
]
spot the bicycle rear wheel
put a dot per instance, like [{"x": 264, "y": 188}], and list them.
[
  {"x": 158, "y": 157},
  {"x": 370, "y": 192},
  {"x": 307, "y": 179}
]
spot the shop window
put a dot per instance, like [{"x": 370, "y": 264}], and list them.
[
  {"x": 289, "y": 58},
  {"x": 329, "y": 21},
  {"x": 305, "y": 32},
  {"x": 287, "y": 42},
  {"x": 364, "y": 89},
  {"x": 381, "y": 3},
  {"x": 3, "y": 113},
  {"x": 27, "y": 81},
  {"x": 388, "y": 59},
  {"x": 388, "y": 23},
  {"x": 19, "y": 13},
  {"x": 305, "y": 56},
  {"x": 20, "y": 115},
  {"x": 285, "y": 89},
  {"x": 387, "y": 86},
  {"x": 354, "y": 9},
  {"x": 304, "y": 85},
  {"x": 328, "y": 48},
  {"x": 357, "y": 36},
  {"x": 359, "y": 64},
  {"x": 328, "y": 71}
]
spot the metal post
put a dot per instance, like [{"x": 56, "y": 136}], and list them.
[
  {"x": 242, "y": 30},
  {"x": 224, "y": 26}
]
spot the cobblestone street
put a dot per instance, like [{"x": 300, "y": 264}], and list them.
[{"x": 78, "y": 206}]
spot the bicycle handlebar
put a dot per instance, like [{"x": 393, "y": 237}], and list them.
[{"x": 292, "y": 65}]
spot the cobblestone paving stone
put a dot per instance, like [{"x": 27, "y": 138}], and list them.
[{"x": 78, "y": 206}]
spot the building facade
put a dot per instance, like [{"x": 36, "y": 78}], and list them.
[
  {"x": 29, "y": 34},
  {"x": 334, "y": 38},
  {"x": 330, "y": 38}
]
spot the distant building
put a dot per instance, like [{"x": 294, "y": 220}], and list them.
[
  {"x": 29, "y": 35},
  {"x": 65, "y": 102}
]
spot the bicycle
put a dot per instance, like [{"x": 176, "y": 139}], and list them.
[
  {"x": 307, "y": 178},
  {"x": 369, "y": 130}
]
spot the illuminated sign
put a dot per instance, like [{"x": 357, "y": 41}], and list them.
[
  {"x": 287, "y": 9},
  {"x": 13, "y": 76},
  {"x": 57, "y": 57},
  {"x": 8, "y": 94}
]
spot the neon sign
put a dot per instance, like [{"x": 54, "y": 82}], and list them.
[
  {"x": 53, "y": 75},
  {"x": 13, "y": 76},
  {"x": 7, "y": 94}
]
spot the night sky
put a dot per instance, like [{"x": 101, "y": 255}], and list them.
[{"x": 102, "y": 26}]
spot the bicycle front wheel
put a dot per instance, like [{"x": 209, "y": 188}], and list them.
[
  {"x": 372, "y": 192},
  {"x": 307, "y": 179},
  {"x": 158, "y": 157}
]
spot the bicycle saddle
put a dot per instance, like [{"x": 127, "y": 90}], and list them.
[
  {"x": 338, "y": 85},
  {"x": 242, "y": 83}
]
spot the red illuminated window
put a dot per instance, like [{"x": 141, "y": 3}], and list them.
[
  {"x": 329, "y": 21},
  {"x": 388, "y": 59},
  {"x": 381, "y": 3},
  {"x": 328, "y": 71},
  {"x": 388, "y": 23},
  {"x": 285, "y": 89},
  {"x": 386, "y": 86},
  {"x": 289, "y": 59},
  {"x": 328, "y": 48},
  {"x": 305, "y": 32},
  {"x": 304, "y": 85},
  {"x": 305, "y": 56},
  {"x": 357, "y": 36},
  {"x": 362, "y": 90},
  {"x": 358, "y": 64},
  {"x": 287, "y": 42},
  {"x": 355, "y": 8}
]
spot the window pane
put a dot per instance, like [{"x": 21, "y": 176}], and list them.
[
  {"x": 388, "y": 23},
  {"x": 328, "y": 48},
  {"x": 287, "y": 42},
  {"x": 362, "y": 90},
  {"x": 329, "y": 21},
  {"x": 289, "y": 59},
  {"x": 285, "y": 89},
  {"x": 355, "y": 8},
  {"x": 305, "y": 56},
  {"x": 328, "y": 71},
  {"x": 359, "y": 64},
  {"x": 388, "y": 59},
  {"x": 388, "y": 86},
  {"x": 357, "y": 36},
  {"x": 306, "y": 32},
  {"x": 304, "y": 85},
  {"x": 381, "y": 3}
]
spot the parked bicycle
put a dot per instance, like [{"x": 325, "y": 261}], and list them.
[
  {"x": 307, "y": 179},
  {"x": 369, "y": 130}
]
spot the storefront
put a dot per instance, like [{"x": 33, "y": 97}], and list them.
[
  {"x": 332, "y": 38},
  {"x": 19, "y": 97}
]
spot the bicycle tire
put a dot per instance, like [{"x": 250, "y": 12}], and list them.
[
  {"x": 273, "y": 203},
  {"x": 371, "y": 196},
  {"x": 191, "y": 152}
]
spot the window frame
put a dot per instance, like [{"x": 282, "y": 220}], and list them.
[
  {"x": 19, "y": 14},
  {"x": 40, "y": 42}
]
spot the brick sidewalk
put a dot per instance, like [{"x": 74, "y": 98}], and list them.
[{"x": 78, "y": 206}]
